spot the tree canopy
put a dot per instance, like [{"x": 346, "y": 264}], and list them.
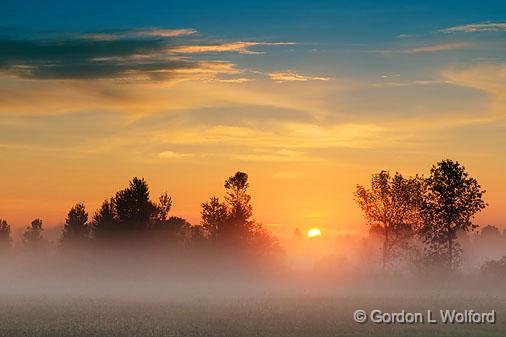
[{"x": 450, "y": 201}]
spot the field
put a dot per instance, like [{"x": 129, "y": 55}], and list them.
[{"x": 265, "y": 316}]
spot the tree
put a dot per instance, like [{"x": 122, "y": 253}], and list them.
[
  {"x": 390, "y": 206},
  {"x": 451, "y": 199},
  {"x": 104, "y": 225},
  {"x": 5, "y": 234},
  {"x": 76, "y": 230},
  {"x": 214, "y": 218},
  {"x": 490, "y": 232},
  {"x": 240, "y": 210},
  {"x": 33, "y": 237},
  {"x": 134, "y": 209},
  {"x": 163, "y": 208},
  {"x": 230, "y": 222}
]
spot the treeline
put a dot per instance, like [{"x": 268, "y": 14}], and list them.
[
  {"x": 423, "y": 216},
  {"x": 131, "y": 220},
  {"x": 419, "y": 217}
]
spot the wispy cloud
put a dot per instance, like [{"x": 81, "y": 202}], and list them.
[
  {"x": 291, "y": 76},
  {"x": 428, "y": 49},
  {"x": 152, "y": 32},
  {"x": 477, "y": 27},
  {"x": 490, "y": 78},
  {"x": 234, "y": 80},
  {"x": 165, "y": 32},
  {"x": 397, "y": 84},
  {"x": 112, "y": 55},
  {"x": 241, "y": 47}
]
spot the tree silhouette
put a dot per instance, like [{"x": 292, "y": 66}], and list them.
[
  {"x": 5, "y": 234},
  {"x": 230, "y": 223},
  {"x": 451, "y": 199},
  {"x": 162, "y": 209},
  {"x": 33, "y": 237},
  {"x": 134, "y": 209},
  {"x": 490, "y": 233},
  {"x": 214, "y": 218},
  {"x": 391, "y": 207},
  {"x": 75, "y": 230},
  {"x": 105, "y": 226},
  {"x": 239, "y": 208}
]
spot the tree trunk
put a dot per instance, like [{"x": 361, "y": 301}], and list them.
[
  {"x": 385, "y": 250},
  {"x": 450, "y": 249}
]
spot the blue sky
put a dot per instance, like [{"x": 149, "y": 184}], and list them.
[{"x": 323, "y": 21}]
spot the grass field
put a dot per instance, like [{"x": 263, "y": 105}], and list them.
[{"x": 302, "y": 316}]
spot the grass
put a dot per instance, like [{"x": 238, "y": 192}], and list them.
[{"x": 235, "y": 317}]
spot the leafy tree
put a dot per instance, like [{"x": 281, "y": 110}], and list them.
[
  {"x": 134, "y": 209},
  {"x": 214, "y": 218},
  {"x": 76, "y": 230},
  {"x": 390, "y": 207},
  {"x": 105, "y": 226},
  {"x": 230, "y": 222},
  {"x": 197, "y": 236},
  {"x": 5, "y": 234},
  {"x": 238, "y": 201},
  {"x": 163, "y": 208},
  {"x": 33, "y": 237},
  {"x": 490, "y": 232},
  {"x": 451, "y": 199}
]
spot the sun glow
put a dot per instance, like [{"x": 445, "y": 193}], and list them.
[{"x": 314, "y": 232}]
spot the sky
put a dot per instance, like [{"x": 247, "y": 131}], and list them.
[{"x": 308, "y": 97}]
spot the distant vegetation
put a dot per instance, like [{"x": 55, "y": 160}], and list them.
[
  {"x": 132, "y": 221},
  {"x": 409, "y": 213},
  {"x": 418, "y": 220}
]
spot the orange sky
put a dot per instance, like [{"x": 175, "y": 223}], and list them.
[{"x": 306, "y": 135}]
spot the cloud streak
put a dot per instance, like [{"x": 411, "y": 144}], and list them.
[
  {"x": 152, "y": 32},
  {"x": 476, "y": 27},
  {"x": 428, "y": 49},
  {"x": 241, "y": 47},
  {"x": 291, "y": 76}
]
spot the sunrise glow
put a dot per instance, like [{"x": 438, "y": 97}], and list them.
[{"x": 313, "y": 233}]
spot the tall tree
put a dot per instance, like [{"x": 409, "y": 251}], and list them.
[
  {"x": 162, "y": 209},
  {"x": 75, "y": 230},
  {"x": 5, "y": 234},
  {"x": 214, "y": 218},
  {"x": 239, "y": 207},
  {"x": 104, "y": 225},
  {"x": 33, "y": 237},
  {"x": 451, "y": 199},
  {"x": 133, "y": 207},
  {"x": 391, "y": 206},
  {"x": 230, "y": 222}
]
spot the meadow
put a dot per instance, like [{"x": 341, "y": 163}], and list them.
[{"x": 302, "y": 315}]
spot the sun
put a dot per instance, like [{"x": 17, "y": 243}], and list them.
[{"x": 314, "y": 232}]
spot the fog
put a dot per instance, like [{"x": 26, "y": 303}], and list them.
[{"x": 343, "y": 265}]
